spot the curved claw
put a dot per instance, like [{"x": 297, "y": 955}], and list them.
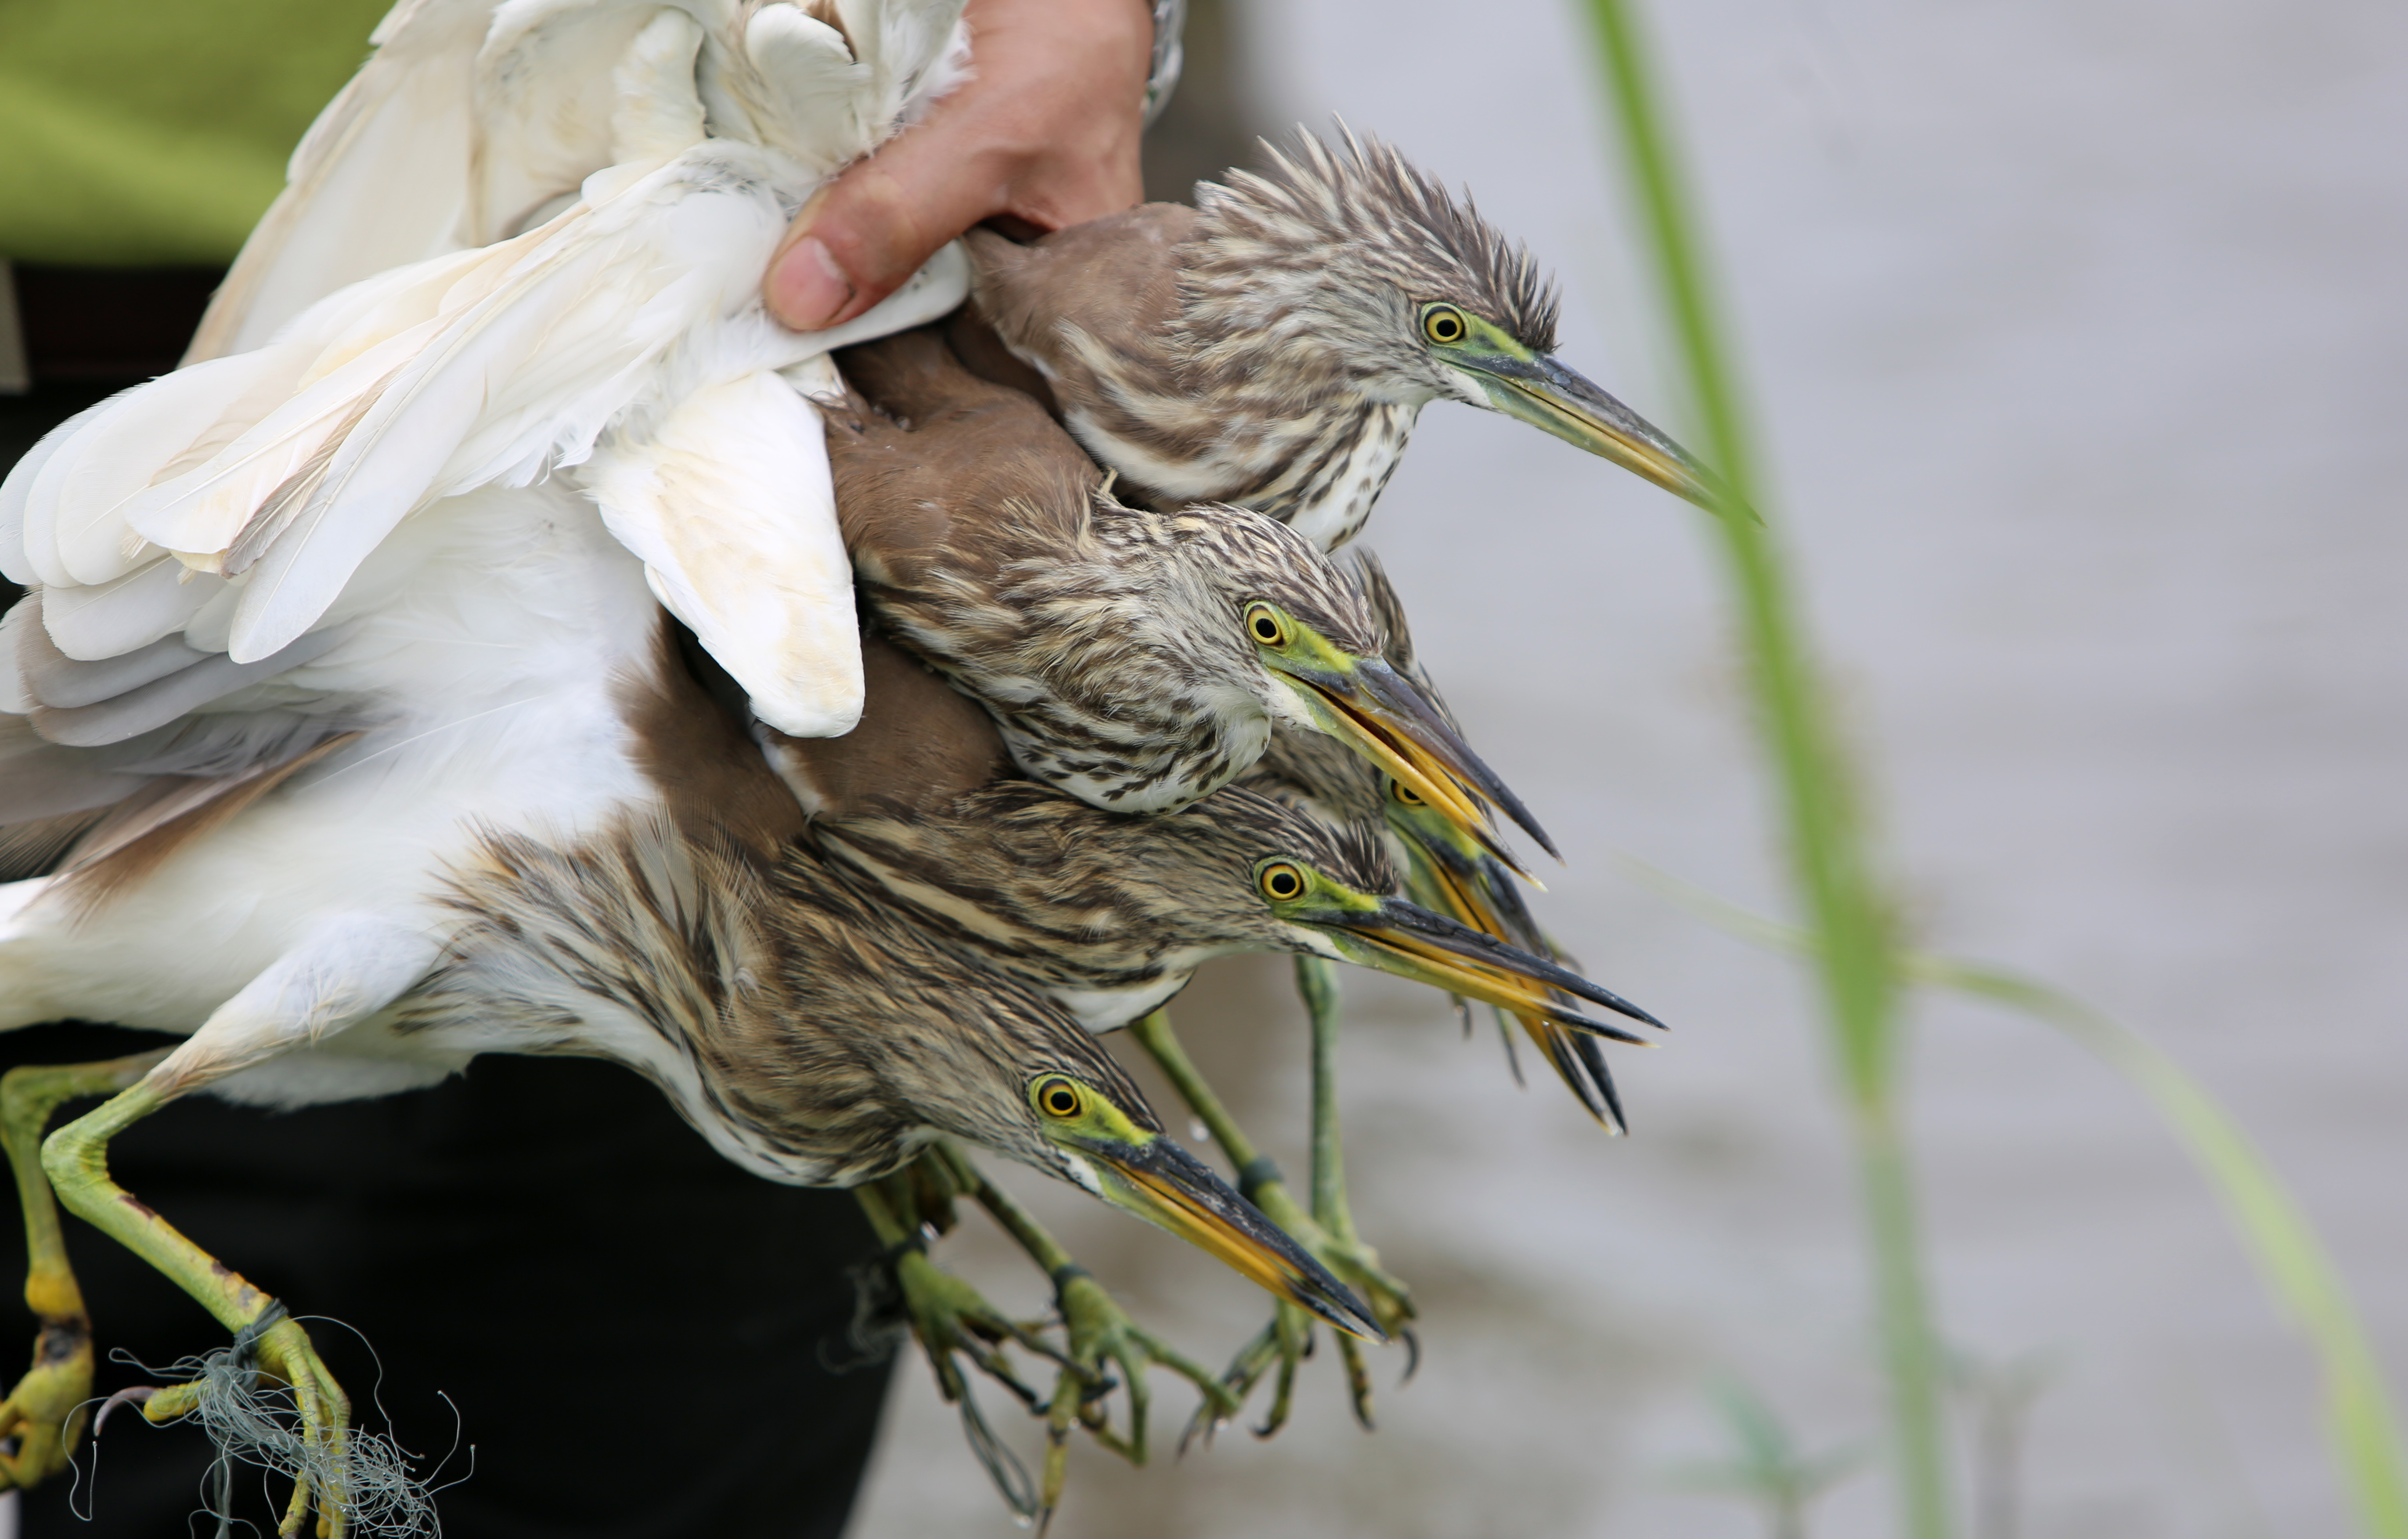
[
  {"x": 285, "y": 1353},
  {"x": 133, "y": 1394},
  {"x": 318, "y": 1459},
  {"x": 949, "y": 1316},
  {"x": 1287, "y": 1340},
  {"x": 45, "y": 1411},
  {"x": 1284, "y": 1343},
  {"x": 1100, "y": 1332}
]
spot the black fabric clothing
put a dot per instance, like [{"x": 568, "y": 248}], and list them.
[{"x": 641, "y": 1340}]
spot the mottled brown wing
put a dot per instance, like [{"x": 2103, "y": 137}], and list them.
[
  {"x": 1114, "y": 277},
  {"x": 939, "y": 473},
  {"x": 921, "y": 745}
]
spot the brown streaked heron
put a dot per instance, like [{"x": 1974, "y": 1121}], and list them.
[
  {"x": 1111, "y": 914},
  {"x": 1135, "y": 659},
  {"x": 1444, "y": 870},
  {"x": 1272, "y": 346},
  {"x": 647, "y": 906}
]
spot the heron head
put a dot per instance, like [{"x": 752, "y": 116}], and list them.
[
  {"x": 1395, "y": 935},
  {"x": 1313, "y": 646},
  {"x": 1362, "y": 268},
  {"x": 1116, "y": 1152}
]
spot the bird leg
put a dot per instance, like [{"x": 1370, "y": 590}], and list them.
[
  {"x": 1288, "y": 1339},
  {"x": 348, "y": 967},
  {"x": 1391, "y": 1301},
  {"x": 949, "y": 1316},
  {"x": 77, "y": 1161},
  {"x": 45, "y": 1413},
  {"x": 1098, "y": 1333},
  {"x": 946, "y": 1313}
]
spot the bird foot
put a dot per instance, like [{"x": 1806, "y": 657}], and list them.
[
  {"x": 1102, "y": 1336},
  {"x": 1288, "y": 1339},
  {"x": 300, "y": 1429},
  {"x": 951, "y": 1319},
  {"x": 1284, "y": 1343},
  {"x": 44, "y": 1413}
]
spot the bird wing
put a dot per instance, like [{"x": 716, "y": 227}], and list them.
[
  {"x": 932, "y": 462},
  {"x": 1115, "y": 276},
  {"x": 921, "y": 745},
  {"x": 380, "y": 182},
  {"x": 235, "y": 500},
  {"x": 729, "y": 505}
]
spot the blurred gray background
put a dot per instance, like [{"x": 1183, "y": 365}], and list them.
[{"x": 2076, "y": 331}]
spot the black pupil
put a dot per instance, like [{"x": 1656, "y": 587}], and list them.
[
  {"x": 1406, "y": 795},
  {"x": 1060, "y": 1102},
  {"x": 1446, "y": 329},
  {"x": 1265, "y": 627},
  {"x": 1283, "y": 883}
]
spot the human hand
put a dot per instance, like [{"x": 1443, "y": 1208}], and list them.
[{"x": 1044, "y": 134}]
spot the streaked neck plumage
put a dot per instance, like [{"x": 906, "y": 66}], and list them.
[
  {"x": 815, "y": 1037},
  {"x": 1108, "y": 915},
  {"x": 1309, "y": 450},
  {"x": 1114, "y": 659},
  {"x": 1264, "y": 348}
]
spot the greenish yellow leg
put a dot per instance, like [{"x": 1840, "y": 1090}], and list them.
[
  {"x": 1098, "y": 1332},
  {"x": 45, "y": 1412},
  {"x": 946, "y": 1313},
  {"x": 1288, "y": 1339},
  {"x": 1357, "y": 1263},
  {"x": 77, "y": 1161}
]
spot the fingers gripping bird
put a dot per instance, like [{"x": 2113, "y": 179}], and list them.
[{"x": 1272, "y": 346}]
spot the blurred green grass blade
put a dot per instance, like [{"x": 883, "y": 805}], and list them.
[
  {"x": 2363, "y": 1425},
  {"x": 2361, "y": 1421},
  {"x": 1827, "y": 847}
]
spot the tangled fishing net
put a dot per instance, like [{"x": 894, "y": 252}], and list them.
[{"x": 261, "y": 1426}]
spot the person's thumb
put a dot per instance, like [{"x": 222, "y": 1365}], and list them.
[{"x": 871, "y": 228}]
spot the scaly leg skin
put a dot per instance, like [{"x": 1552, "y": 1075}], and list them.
[
  {"x": 1099, "y": 1335},
  {"x": 344, "y": 970},
  {"x": 45, "y": 1412},
  {"x": 77, "y": 1160},
  {"x": 1392, "y": 1305},
  {"x": 1288, "y": 1339},
  {"x": 947, "y": 1315}
]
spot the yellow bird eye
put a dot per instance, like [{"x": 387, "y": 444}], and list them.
[
  {"x": 1263, "y": 623},
  {"x": 1406, "y": 794},
  {"x": 1281, "y": 882},
  {"x": 1059, "y": 1098},
  {"x": 1445, "y": 325}
]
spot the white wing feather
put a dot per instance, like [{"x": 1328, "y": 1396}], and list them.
[
  {"x": 107, "y": 619},
  {"x": 728, "y": 505},
  {"x": 380, "y": 182},
  {"x": 235, "y": 500}
]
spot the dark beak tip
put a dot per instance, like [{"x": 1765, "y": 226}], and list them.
[{"x": 1345, "y": 1313}]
